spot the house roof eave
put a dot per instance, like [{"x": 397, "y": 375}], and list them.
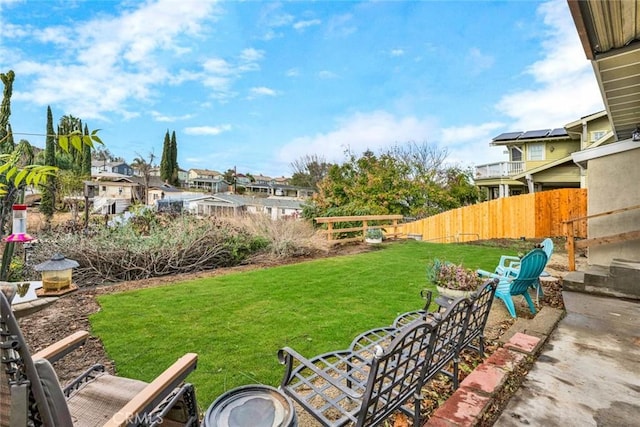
[
  {"x": 543, "y": 168},
  {"x": 581, "y": 158}
]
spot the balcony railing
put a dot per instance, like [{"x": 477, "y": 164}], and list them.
[{"x": 501, "y": 169}]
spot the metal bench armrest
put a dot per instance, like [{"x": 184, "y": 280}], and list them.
[{"x": 287, "y": 355}]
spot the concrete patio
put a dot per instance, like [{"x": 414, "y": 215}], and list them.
[{"x": 588, "y": 372}]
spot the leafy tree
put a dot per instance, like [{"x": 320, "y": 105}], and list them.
[
  {"x": 308, "y": 171},
  {"x": 459, "y": 184},
  {"x": 411, "y": 180},
  {"x": 367, "y": 185},
  {"x": 47, "y": 204},
  {"x": 103, "y": 154}
]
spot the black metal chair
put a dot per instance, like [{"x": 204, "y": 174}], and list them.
[
  {"x": 481, "y": 303},
  {"x": 465, "y": 326},
  {"x": 342, "y": 387},
  {"x": 95, "y": 398},
  {"x": 314, "y": 382}
]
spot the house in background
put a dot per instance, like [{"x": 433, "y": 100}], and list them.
[
  {"x": 98, "y": 166},
  {"x": 113, "y": 193},
  {"x": 233, "y": 204},
  {"x": 541, "y": 159},
  {"x": 207, "y": 180}
]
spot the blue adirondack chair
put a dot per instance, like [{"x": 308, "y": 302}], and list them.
[
  {"x": 518, "y": 282},
  {"x": 511, "y": 264}
]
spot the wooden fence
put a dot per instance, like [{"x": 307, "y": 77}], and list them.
[
  {"x": 340, "y": 229},
  {"x": 572, "y": 224},
  {"x": 536, "y": 215}
]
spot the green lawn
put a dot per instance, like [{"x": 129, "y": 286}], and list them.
[{"x": 237, "y": 322}]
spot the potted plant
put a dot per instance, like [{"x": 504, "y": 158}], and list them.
[
  {"x": 453, "y": 280},
  {"x": 373, "y": 235}
]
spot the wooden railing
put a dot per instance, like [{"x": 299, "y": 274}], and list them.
[
  {"x": 572, "y": 244},
  {"x": 388, "y": 223}
]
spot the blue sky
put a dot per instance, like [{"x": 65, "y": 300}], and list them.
[{"x": 257, "y": 85}]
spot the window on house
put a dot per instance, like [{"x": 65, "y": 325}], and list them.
[
  {"x": 104, "y": 188},
  {"x": 535, "y": 151},
  {"x": 596, "y": 135},
  {"x": 516, "y": 154}
]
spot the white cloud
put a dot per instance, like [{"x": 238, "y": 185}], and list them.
[
  {"x": 469, "y": 144},
  {"x": 251, "y": 55},
  {"x": 326, "y": 74},
  {"x": 567, "y": 88},
  {"x": 292, "y": 72},
  {"x": 207, "y": 130},
  {"x": 357, "y": 133},
  {"x": 159, "y": 117},
  {"x": 262, "y": 91},
  {"x": 104, "y": 63},
  {"x": 478, "y": 61},
  {"x": 397, "y": 52},
  {"x": 466, "y": 133},
  {"x": 219, "y": 74},
  {"x": 341, "y": 26},
  {"x": 301, "y": 25}
]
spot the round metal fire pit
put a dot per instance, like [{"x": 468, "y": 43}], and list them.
[{"x": 251, "y": 406}]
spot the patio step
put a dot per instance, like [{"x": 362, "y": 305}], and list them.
[{"x": 620, "y": 279}]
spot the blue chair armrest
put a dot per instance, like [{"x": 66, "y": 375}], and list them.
[{"x": 484, "y": 273}]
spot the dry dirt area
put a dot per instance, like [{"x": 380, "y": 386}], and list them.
[{"x": 70, "y": 313}]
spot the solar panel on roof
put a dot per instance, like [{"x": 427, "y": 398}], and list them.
[
  {"x": 558, "y": 132},
  {"x": 507, "y": 136},
  {"x": 535, "y": 134}
]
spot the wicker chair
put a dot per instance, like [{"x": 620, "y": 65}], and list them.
[{"x": 95, "y": 398}]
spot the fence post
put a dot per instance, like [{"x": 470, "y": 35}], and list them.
[
  {"x": 571, "y": 246},
  {"x": 364, "y": 229},
  {"x": 330, "y": 231}
]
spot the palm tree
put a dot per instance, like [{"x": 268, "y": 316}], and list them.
[{"x": 144, "y": 168}]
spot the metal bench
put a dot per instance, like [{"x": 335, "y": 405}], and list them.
[
  {"x": 383, "y": 370},
  {"x": 481, "y": 300}
]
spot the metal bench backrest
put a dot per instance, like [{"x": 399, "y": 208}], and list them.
[
  {"x": 397, "y": 375},
  {"x": 481, "y": 302},
  {"x": 449, "y": 331}
]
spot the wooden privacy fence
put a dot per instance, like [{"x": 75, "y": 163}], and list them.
[
  {"x": 348, "y": 225},
  {"x": 535, "y": 215}
]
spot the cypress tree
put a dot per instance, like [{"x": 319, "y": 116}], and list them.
[
  {"x": 5, "y": 111},
  {"x": 165, "y": 166},
  {"x": 48, "y": 202},
  {"x": 174, "y": 159},
  {"x": 86, "y": 155}
]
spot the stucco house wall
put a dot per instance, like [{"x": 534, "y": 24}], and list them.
[{"x": 613, "y": 184}]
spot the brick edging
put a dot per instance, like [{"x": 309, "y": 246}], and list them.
[{"x": 467, "y": 405}]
